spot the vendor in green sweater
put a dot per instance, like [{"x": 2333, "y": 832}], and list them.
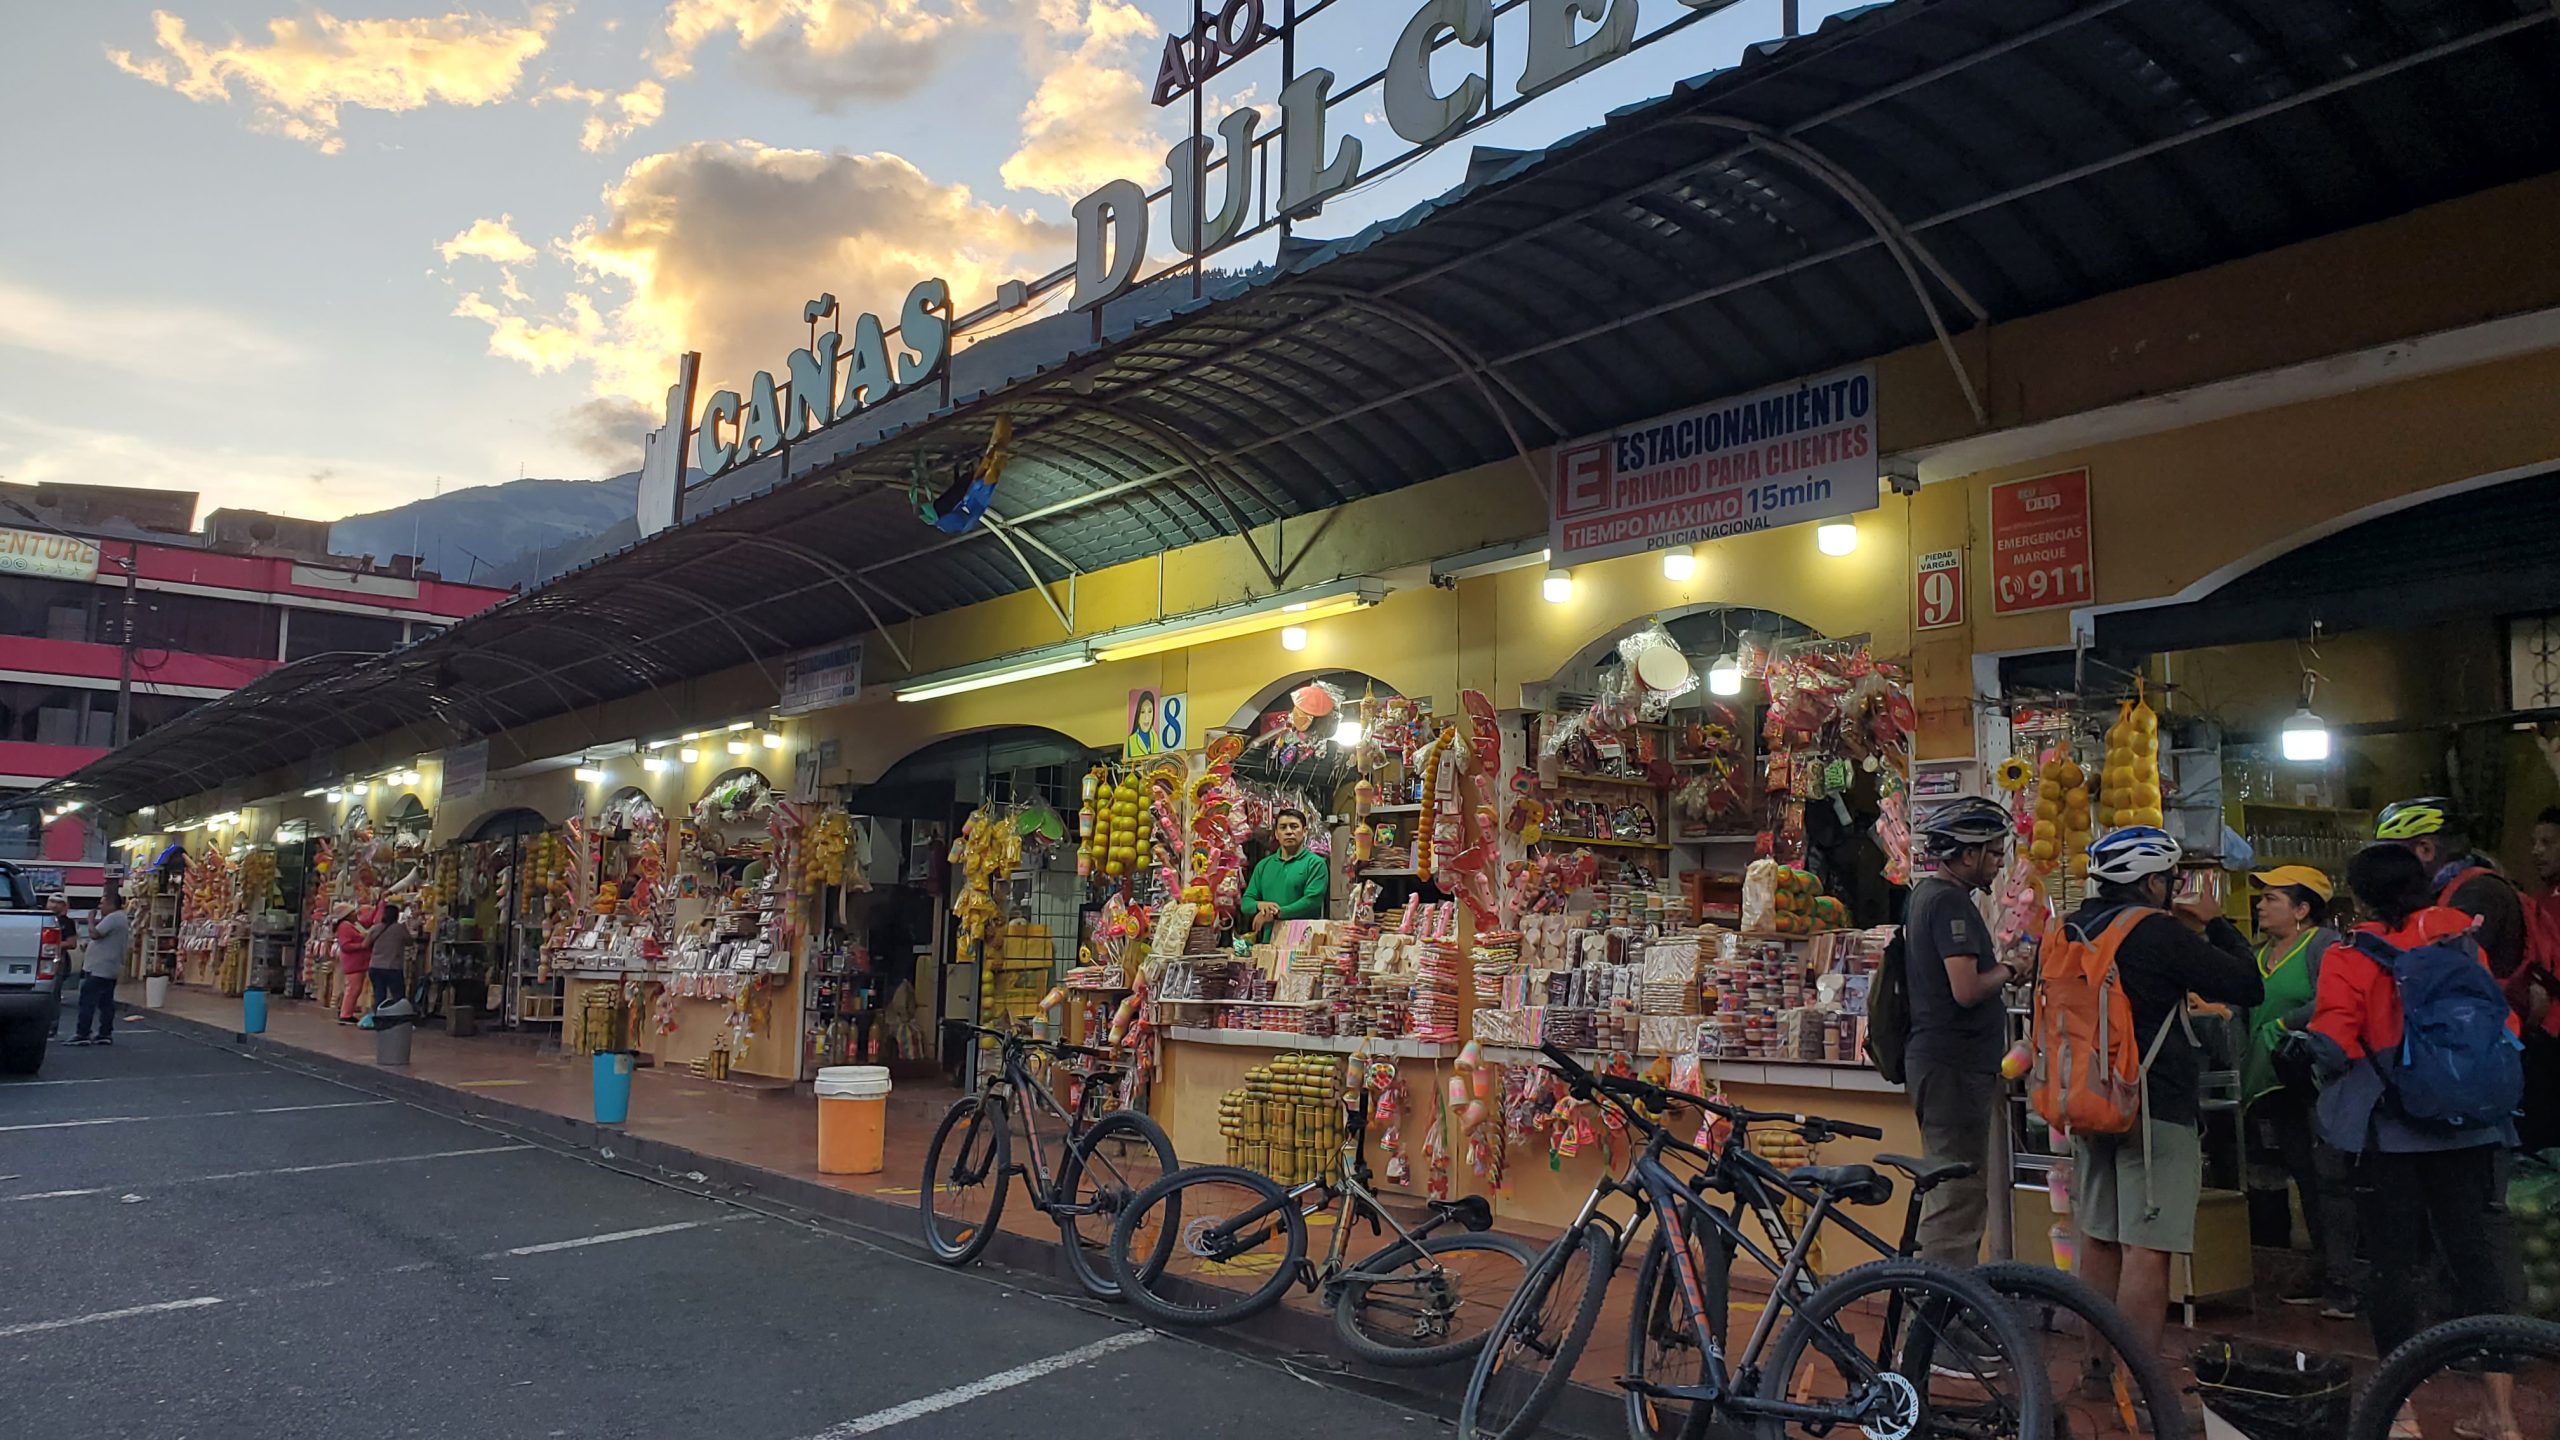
[
  {"x": 1289, "y": 884},
  {"x": 2292, "y": 902}
]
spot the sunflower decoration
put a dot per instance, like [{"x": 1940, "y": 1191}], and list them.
[{"x": 2015, "y": 774}]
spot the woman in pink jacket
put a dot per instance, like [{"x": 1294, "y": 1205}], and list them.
[{"x": 355, "y": 957}]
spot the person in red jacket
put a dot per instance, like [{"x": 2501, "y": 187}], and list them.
[{"x": 2425, "y": 1188}]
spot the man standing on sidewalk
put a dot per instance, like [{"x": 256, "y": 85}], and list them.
[
  {"x": 390, "y": 956},
  {"x": 109, "y": 934},
  {"x": 1959, "y": 1026}
]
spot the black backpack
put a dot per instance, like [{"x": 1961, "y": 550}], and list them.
[{"x": 1889, "y": 1010}]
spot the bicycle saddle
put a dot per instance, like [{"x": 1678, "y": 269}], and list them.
[
  {"x": 1852, "y": 1184},
  {"x": 1927, "y": 1175},
  {"x": 1470, "y": 1212}
]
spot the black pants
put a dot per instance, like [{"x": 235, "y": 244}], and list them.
[
  {"x": 2321, "y": 1173},
  {"x": 2539, "y": 1126},
  {"x": 97, "y": 1008},
  {"x": 389, "y": 985},
  {"x": 2436, "y": 1202}
]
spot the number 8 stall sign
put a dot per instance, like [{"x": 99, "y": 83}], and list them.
[{"x": 2040, "y": 543}]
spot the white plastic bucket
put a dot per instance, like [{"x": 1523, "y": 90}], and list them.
[
  {"x": 155, "y": 992},
  {"x": 853, "y": 1082}
]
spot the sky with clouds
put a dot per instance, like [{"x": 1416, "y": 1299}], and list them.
[{"x": 325, "y": 260}]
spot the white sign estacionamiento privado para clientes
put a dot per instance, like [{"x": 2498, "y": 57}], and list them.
[
  {"x": 821, "y": 676},
  {"x": 1781, "y": 456},
  {"x": 47, "y": 556}
]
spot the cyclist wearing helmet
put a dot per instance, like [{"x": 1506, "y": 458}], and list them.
[
  {"x": 2137, "y": 1193},
  {"x": 1959, "y": 1028},
  {"x": 2433, "y": 830}
]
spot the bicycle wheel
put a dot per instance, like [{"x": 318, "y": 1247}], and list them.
[
  {"x": 2490, "y": 1375},
  {"x": 1233, "y": 1240},
  {"x": 2102, "y": 1379},
  {"x": 1531, "y": 1353},
  {"x": 1409, "y": 1307},
  {"x": 964, "y": 1180},
  {"x": 1904, "y": 1348},
  {"x": 1123, "y": 1153},
  {"x": 1662, "y": 1341}
]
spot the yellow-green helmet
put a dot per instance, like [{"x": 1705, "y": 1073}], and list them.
[{"x": 2410, "y": 819}]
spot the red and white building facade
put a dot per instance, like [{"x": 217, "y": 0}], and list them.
[{"x": 212, "y": 610}]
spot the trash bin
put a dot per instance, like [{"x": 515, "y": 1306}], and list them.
[
  {"x": 461, "y": 1017},
  {"x": 2272, "y": 1392},
  {"x": 853, "y": 1119},
  {"x": 155, "y": 992},
  {"x": 394, "y": 1026},
  {"x": 613, "y": 1085},
  {"x": 253, "y": 1013}
]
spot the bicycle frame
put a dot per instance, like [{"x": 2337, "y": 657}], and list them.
[
  {"x": 1017, "y": 1092},
  {"x": 1660, "y": 1193}
]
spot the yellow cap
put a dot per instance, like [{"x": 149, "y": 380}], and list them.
[{"x": 2315, "y": 881}]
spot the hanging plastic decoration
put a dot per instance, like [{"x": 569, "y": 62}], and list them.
[
  {"x": 1298, "y": 735},
  {"x": 1650, "y": 674},
  {"x": 963, "y": 502}
]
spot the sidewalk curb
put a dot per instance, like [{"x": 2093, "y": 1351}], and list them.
[{"x": 1285, "y": 1333}]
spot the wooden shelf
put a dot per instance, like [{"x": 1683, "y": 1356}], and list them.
[
  {"x": 1750, "y": 839},
  {"x": 1395, "y": 809},
  {"x": 1634, "y": 782},
  {"x": 1604, "y": 844},
  {"x": 1402, "y": 1046}
]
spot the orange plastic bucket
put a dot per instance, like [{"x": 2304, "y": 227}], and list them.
[{"x": 853, "y": 1119}]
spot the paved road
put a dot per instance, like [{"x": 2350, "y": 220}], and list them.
[{"x": 196, "y": 1243}]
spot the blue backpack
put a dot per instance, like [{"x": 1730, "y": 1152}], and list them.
[{"x": 2457, "y": 1065}]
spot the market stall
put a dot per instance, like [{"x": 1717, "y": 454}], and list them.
[
  {"x": 612, "y": 934},
  {"x": 1661, "y": 872},
  {"x": 726, "y": 1005}
]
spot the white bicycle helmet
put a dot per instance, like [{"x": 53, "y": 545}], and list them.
[{"x": 2121, "y": 857}]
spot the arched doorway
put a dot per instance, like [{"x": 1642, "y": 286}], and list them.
[
  {"x": 913, "y": 810},
  {"x": 496, "y": 955},
  {"x": 2420, "y": 640}
]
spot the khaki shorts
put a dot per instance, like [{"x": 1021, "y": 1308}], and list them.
[{"x": 2125, "y": 1199}]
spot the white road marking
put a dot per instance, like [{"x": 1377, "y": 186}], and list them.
[
  {"x": 880, "y": 1420},
  {"x": 605, "y": 1239},
  {"x": 286, "y": 1170},
  {"x": 199, "y": 1302},
  {"x": 195, "y": 1115},
  {"x": 120, "y": 1079},
  {"x": 33, "y": 1326}
]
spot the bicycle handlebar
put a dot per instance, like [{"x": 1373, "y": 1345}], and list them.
[
  {"x": 1585, "y": 1085},
  {"x": 1031, "y": 1042}
]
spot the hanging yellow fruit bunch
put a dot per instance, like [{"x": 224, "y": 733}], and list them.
[
  {"x": 2130, "y": 786},
  {"x": 2062, "y": 810}
]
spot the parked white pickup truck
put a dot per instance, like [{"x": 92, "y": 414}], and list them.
[{"x": 31, "y": 946}]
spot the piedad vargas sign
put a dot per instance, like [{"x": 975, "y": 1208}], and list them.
[{"x": 1780, "y": 456}]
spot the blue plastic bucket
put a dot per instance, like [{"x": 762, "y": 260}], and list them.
[
  {"x": 253, "y": 1013},
  {"x": 613, "y": 1086}
]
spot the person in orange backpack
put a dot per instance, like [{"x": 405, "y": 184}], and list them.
[{"x": 2136, "y": 1192}]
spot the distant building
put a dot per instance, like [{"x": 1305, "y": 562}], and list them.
[{"x": 213, "y": 609}]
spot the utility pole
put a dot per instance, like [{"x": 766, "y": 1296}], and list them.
[{"x": 124, "y": 665}]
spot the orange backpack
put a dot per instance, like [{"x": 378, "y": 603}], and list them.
[{"x": 2090, "y": 1067}]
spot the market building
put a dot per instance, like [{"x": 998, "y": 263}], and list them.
[
  {"x": 1595, "y": 553},
  {"x": 116, "y": 609}
]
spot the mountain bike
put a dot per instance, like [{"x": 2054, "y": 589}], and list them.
[
  {"x": 1104, "y": 1157},
  {"x": 2102, "y": 1379},
  {"x": 2488, "y": 1377},
  {"x": 1945, "y": 1338},
  {"x": 1236, "y": 1241}
]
